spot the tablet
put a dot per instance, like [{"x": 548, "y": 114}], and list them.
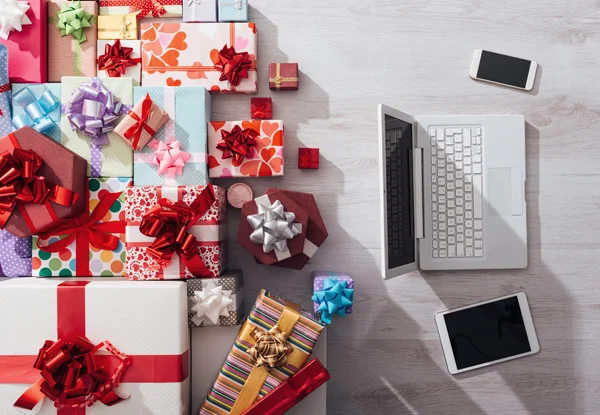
[{"x": 486, "y": 333}]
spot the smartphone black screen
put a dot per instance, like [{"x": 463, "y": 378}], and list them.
[{"x": 503, "y": 69}]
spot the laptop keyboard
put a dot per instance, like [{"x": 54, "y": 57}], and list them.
[
  {"x": 456, "y": 192},
  {"x": 394, "y": 193}
]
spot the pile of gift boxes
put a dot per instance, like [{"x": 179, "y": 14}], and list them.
[{"x": 107, "y": 152}]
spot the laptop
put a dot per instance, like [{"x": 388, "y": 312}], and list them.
[{"x": 452, "y": 192}]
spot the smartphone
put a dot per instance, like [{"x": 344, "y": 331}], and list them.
[{"x": 503, "y": 70}]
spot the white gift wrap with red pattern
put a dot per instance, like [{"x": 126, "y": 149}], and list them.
[{"x": 210, "y": 231}]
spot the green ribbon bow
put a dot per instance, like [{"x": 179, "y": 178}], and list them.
[{"x": 72, "y": 19}]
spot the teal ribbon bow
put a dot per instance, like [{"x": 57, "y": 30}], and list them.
[
  {"x": 36, "y": 112},
  {"x": 335, "y": 298},
  {"x": 72, "y": 19}
]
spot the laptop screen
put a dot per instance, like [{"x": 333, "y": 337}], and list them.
[{"x": 399, "y": 192}]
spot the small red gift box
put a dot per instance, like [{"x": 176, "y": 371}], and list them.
[
  {"x": 283, "y": 76},
  {"x": 308, "y": 158},
  {"x": 261, "y": 108}
]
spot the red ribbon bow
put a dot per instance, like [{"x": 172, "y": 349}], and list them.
[
  {"x": 19, "y": 185},
  {"x": 116, "y": 59},
  {"x": 232, "y": 65},
  {"x": 238, "y": 144},
  {"x": 70, "y": 376},
  {"x": 134, "y": 133},
  {"x": 147, "y": 6},
  {"x": 170, "y": 222}
]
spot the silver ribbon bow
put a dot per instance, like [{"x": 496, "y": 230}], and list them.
[
  {"x": 273, "y": 226},
  {"x": 12, "y": 16}
]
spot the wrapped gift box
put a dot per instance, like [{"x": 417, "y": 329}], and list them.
[
  {"x": 261, "y": 108},
  {"x": 154, "y": 9},
  {"x": 190, "y": 54},
  {"x": 142, "y": 320},
  {"x": 119, "y": 26},
  {"x": 114, "y": 159},
  {"x": 66, "y": 55},
  {"x": 59, "y": 168},
  {"x": 252, "y": 148},
  {"x": 15, "y": 255},
  {"x": 270, "y": 316},
  {"x": 189, "y": 111},
  {"x": 28, "y": 49},
  {"x": 233, "y": 10},
  {"x": 200, "y": 11},
  {"x": 141, "y": 123},
  {"x": 117, "y": 59},
  {"x": 37, "y": 106},
  {"x": 333, "y": 293},
  {"x": 283, "y": 76},
  {"x": 216, "y": 301},
  {"x": 210, "y": 230},
  {"x": 85, "y": 255},
  {"x": 5, "y": 94}
]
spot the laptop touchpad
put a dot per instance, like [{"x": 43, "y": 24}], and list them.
[{"x": 505, "y": 191}]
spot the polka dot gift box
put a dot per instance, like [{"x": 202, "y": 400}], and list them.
[{"x": 88, "y": 253}]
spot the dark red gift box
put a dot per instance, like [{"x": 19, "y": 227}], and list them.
[
  {"x": 308, "y": 158},
  {"x": 261, "y": 108},
  {"x": 283, "y": 76}
]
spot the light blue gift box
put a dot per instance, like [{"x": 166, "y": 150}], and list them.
[
  {"x": 189, "y": 113},
  {"x": 37, "y": 106},
  {"x": 199, "y": 10},
  {"x": 233, "y": 10}
]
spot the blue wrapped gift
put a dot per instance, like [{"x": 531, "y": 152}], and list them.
[
  {"x": 15, "y": 255},
  {"x": 199, "y": 10},
  {"x": 233, "y": 10},
  {"x": 37, "y": 106},
  {"x": 184, "y": 137},
  {"x": 5, "y": 114}
]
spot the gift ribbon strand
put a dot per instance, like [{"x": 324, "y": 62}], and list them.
[{"x": 134, "y": 133}]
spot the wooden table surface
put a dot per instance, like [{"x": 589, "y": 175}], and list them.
[{"x": 415, "y": 56}]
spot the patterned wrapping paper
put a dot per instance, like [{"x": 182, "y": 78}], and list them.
[
  {"x": 99, "y": 262},
  {"x": 267, "y": 312},
  {"x": 122, "y": 26},
  {"x": 189, "y": 111},
  {"x": 134, "y": 71},
  {"x": 168, "y": 58},
  {"x": 38, "y": 90},
  {"x": 269, "y": 149},
  {"x": 173, "y": 8},
  {"x": 200, "y": 11},
  {"x": 15, "y": 255},
  {"x": 233, "y": 10},
  {"x": 116, "y": 158},
  {"x": 5, "y": 93},
  {"x": 210, "y": 231},
  {"x": 231, "y": 281},
  {"x": 66, "y": 56}
]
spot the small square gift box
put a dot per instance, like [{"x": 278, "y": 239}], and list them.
[
  {"x": 91, "y": 244},
  {"x": 175, "y": 232},
  {"x": 258, "y": 365},
  {"x": 283, "y": 76},
  {"x": 15, "y": 255},
  {"x": 216, "y": 301},
  {"x": 200, "y": 11},
  {"x": 143, "y": 9},
  {"x": 123, "y": 344},
  {"x": 282, "y": 228},
  {"x": 41, "y": 164},
  {"x": 333, "y": 293},
  {"x": 141, "y": 123},
  {"x": 120, "y": 58},
  {"x": 23, "y": 29},
  {"x": 251, "y": 148},
  {"x": 72, "y": 36},
  {"x": 92, "y": 108},
  {"x": 37, "y": 106},
  {"x": 218, "y": 56},
  {"x": 233, "y": 10},
  {"x": 261, "y": 108},
  {"x": 177, "y": 155},
  {"x": 308, "y": 158},
  {"x": 118, "y": 26}
]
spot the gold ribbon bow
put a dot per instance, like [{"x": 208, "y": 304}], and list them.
[{"x": 271, "y": 348}]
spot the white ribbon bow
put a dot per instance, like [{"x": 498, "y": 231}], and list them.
[
  {"x": 12, "y": 16},
  {"x": 273, "y": 226},
  {"x": 210, "y": 303}
]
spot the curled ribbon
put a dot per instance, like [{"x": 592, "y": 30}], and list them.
[
  {"x": 210, "y": 304},
  {"x": 134, "y": 133},
  {"x": 232, "y": 65},
  {"x": 148, "y": 6},
  {"x": 13, "y": 16},
  {"x": 116, "y": 59},
  {"x": 36, "y": 112},
  {"x": 273, "y": 226},
  {"x": 93, "y": 109},
  {"x": 170, "y": 222},
  {"x": 19, "y": 185},
  {"x": 71, "y": 378},
  {"x": 169, "y": 157},
  {"x": 238, "y": 144},
  {"x": 73, "y": 19},
  {"x": 271, "y": 348},
  {"x": 335, "y": 298}
]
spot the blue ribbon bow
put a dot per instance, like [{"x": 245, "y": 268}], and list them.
[
  {"x": 335, "y": 298},
  {"x": 36, "y": 112}
]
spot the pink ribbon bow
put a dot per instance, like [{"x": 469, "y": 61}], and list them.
[{"x": 169, "y": 157}]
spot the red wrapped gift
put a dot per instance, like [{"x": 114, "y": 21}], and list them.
[
  {"x": 289, "y": 393},
  {"x": 283, "y": 76},
  {"x": 50, "y": 186},
  {"x": 261, "y": 108},
  {"x": 308, "y": 158}
]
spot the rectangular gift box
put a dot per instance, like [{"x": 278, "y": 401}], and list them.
[
  {"x": 66, "y": 56},
  {"x": 15, "y": 255},
  {"x": 241, "y": 376},
  {"x": 210, "y": 231},
  {"x": 168, "y": 60},
  {"x": 5, "y": 93},
  {"x": 200, "y": 11},
  {"x": 189, "y": 111},
  {"x": 141, "y": 123},
  {"x": 119, "y": 26},
  {"x": 233, "y": 10},
  {"x": 216, "y": 301},
  {"x": 266, "y": 157},
  {"x": 114, "y": 159},
  {"x": 83, "y": 257},
  {"x": 133, "y": 71},
  {"x": 172, "y": 8},
  {"x": 142, "y": 320},
  {"x": 60, "y": 167},
  {"x": 209, "y": 348},
  {"x": 28, "y": 49},
  {"x": 283, "y": 76},
  {"x": 37, "y": 115}
]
